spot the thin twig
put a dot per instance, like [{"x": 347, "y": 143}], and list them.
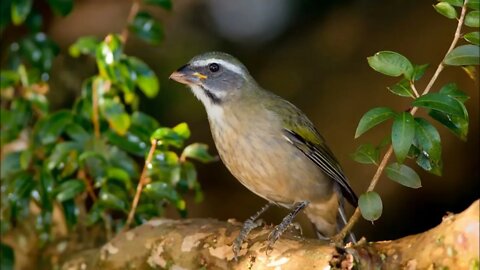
[
  {"x": 354, "y": 218},
  {"x": 131, "y": 15},
  {"x": 82, "y": 175},
  {"x": 141, "y": 183}
]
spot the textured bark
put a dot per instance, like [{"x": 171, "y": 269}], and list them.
[{"x": 206, "y": 244}]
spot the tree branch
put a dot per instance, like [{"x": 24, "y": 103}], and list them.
[{"x": 207, "y": 244}]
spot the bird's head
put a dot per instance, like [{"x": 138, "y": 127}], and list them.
[{"x": 215, "y": 78}]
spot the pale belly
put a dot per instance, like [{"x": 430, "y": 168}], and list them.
[{"x": 272, "y": 168}]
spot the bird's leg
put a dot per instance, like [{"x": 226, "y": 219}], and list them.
[
  {"x": 280, "y": 228},
  {"x": 249, "y": 225}
]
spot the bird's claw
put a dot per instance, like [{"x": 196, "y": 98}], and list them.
[{"x": 247, "y": 227}]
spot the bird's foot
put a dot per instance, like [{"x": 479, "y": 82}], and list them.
[
  {"x": 248, "y": 226},
  {"x": 282, "y": 227}
]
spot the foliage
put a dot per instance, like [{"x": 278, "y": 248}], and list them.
[
  {"x": 415, "y": 137},
  {"x": 85, "y": 160}
]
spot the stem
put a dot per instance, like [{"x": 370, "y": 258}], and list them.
[
  {"x": 131, "y": 15},
  {"x": 142, "y": 182},
  {"x": 82, "y": 175},
  {"x": 354, "y": 218}
]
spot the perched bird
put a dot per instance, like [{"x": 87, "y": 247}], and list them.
[{"x": 269, "y": 145}]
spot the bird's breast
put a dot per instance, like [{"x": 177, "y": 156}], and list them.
[{"x": 256, "y": 153}]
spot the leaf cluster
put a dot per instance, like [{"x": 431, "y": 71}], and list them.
[{"x": 412, "y": 137}]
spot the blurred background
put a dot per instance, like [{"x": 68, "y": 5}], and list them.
[{"x": 312, "y": 53}]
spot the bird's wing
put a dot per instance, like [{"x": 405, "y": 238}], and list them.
[{"x": 323, "y": 157}]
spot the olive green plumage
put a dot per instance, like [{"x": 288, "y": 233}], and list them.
[{"x": 266, "y": 142}]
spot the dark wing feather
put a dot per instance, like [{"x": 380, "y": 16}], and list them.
[{"x": 323, "y": 157}]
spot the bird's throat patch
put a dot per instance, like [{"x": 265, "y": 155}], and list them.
[{"x": 215, "y": 100}]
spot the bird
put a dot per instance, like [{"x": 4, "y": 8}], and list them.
[{"x": 269, "y": 146}]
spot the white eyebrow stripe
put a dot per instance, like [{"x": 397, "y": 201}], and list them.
[{"x": 221, "y": 62}]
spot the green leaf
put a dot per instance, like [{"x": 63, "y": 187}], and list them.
[
  {"x": 458, "y": 125},
  {"x": 10, "y": 164},
  {"x": 45, "y": 188},
  {"x": 8, "y": 257},
  {"x": 147, "y": 28},
  {"x": 457, "y": 3},
  {"x": 167, "y": 136},
  {"x": 165, "y": 167},
  {"x": 77, "y": 133},
  {"x": 108, "y": 54},
  {"x": 473, "y": 37},
  {"x": 121, "y": 176},
  {"x": 161, "y": 190},
  {"x": 402, "y": 89},
  {"x": 61, "y": 7},
  {"x": 473, "y": 4},
  {"x": 440, "y": 102},
  {"x": 370, "y": 205},
  {"x": 69, "y": 189},
  {"x": 446, "y": 10},
  {"x": 39, "y": 51},
  {"x": 56, "y": 160},
  {"x": 84, "y": 45},
  {"x": 111, "y": 201},
  {"x": 53, "y": 126},
  {"x": 182, "y": 130},
  {"x": 34, "y": 21},
  {"x": 198, "y": 151},
  {"x": 472, "y": 19},
  {"x": 366, "y": 154},
  {"x": 463, "y": 55},
  {"x": 166, "y": 4},
  {"x": 70, "y": 211},
  {"x": 403, "y": 175},
  {"x": 372, "y": 118},
  {"x": 403, "y": 132},
  {"x": 8, "y": 78},
  {"x": 419, "y": 71},
  {"x": 145, "y": 122},
  {"x": 391, "y": 64},
  {"x": 130, "y": 143},
  {"x": 451, "y": 90},
  {"x": 146, "y": 79},
  {"x": 427, "y": 141},
  {"x": 20, "y": 10},
  {"x": 116, "y": 116}
]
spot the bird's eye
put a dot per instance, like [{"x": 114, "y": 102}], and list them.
[{"x": 214, "y": 67}]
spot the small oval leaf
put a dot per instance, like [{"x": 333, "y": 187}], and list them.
[
  {"x": 446, "y": 10},
  {"x": 403, "y": 132},
  {"x": 391, "y": 64},
  {"x": 372, "y": 118},
  {"x": 366, "y": 154},
  {"x": 473, "y": 37},
  {"x": 370, "y": 205},
  {"x": 473, "y": 19},
  {"x": 198, "y": 151},
  {"x": 463, "y": 55},
  {"x": 403, "y": 175},
  {"x": 440, "y": 102}
]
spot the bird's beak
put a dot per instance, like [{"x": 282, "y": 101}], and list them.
[{"x": 187, "y": 76}]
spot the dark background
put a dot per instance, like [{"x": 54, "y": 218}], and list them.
[{"x": 313, "y": 53}]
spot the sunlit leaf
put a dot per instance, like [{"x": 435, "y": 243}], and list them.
[
  {"x": 84, "y": 45},
  {"x": 167, "y": 136},
  {"x": 403, "y": 132},
  {"x": 391, "y": 64},
  {"x": 403, "y": 175},
  {"x": 473, "y": 4},
  {"x": 372, "y": 118},
  {"x": 20, "y": 10},
  {"x": 457, "y": 3},
  {"x": 146, "y": 79},
  {"x": 8, "y": 78},
  {"x": 446, "y": 10},
  {"x": 370, "y": 205},
  {"x": 198, "y": 151},
  {"x": 114, "y": 112}
]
